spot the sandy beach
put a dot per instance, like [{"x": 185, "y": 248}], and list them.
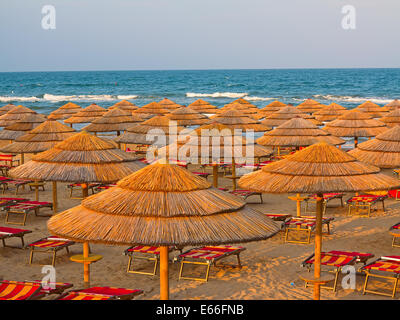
[{"x": 270, "y": 268}]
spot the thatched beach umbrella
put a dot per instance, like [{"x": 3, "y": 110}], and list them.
[
  {"x": 285, "y": 114},
  {"x": 242, "y": 102},
  {"x": 390, "y": 106},
  {"x": 203, "y": 107},
  {"x": 310, "y": 106},
  {"x": 14, "y": 115},
  {"x": 392, "y": 118},
  {"x": 113, "y": 120},
  {"x": 87, "y": 115},
  {"x": 355, "y": 124},
  {"x": 22, "y": 126},
  {"x": 372, "y": 109},
  {"x": 6, "y": 108},
  {"x": 237, "y": 120},
  {"x": 383, "y": 151},
  {"x": 162, "y": 205},
  {"x": 150, "y": 110},
  {"x": 186, "y": 116},
  {"x": 169, "y": 104},
  {"x": 270, "y": 108},
  {"x": 124, "y": 105},
  {"x": 320, "y": 168},
  {"x": 81, "y": 158},
  {"x": 329, "y": 113},
  {"x": 64, "y": 112},
  {"x": 243, "y": 109}
]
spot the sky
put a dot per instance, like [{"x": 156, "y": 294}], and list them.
[{"x": 197, "y": 34}]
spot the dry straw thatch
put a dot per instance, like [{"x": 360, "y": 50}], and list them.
[
  {"x": 319, "y": 168},
  {"x": 247, "y": 110},
  {"x": 355, "y": 124},
  {"x": 80, "y": 158},
  {"x": 372, "y": 109},
  {"x": 22, "y": 126},
  {"x": 113, "y": 120},
  {"x": 150, "y": 110},
  {"x": 383, "y": 151},
  {"x": 390, "y": 106},
  {"x": 270, "y": 108},
  {"x": 87, "y": 115},
  {"x": 392, "y": 118},
  {"x": 124, "y": 105},
  {"x": 285, "y": 114},
  {"x": 242, "y": 102},
  {"x": 14, "y": 115},
  {"x": 162, "y": 205},
  {"x": 6, "y": 108},
  {"x": 329, "y": 113},
  {"x": 310, "y": 106},
  {"x": 42, "y": 138},
  {"x": 137, "y": 134},
  {"x": 297, "y": 132},
  {"x": 186, "y": 116},
  {"x": 169, "y": 104},
  {"x": 204, "y": 107},
  {"x": 237, "y": 120},
  {"x": 64, "y": 112}
]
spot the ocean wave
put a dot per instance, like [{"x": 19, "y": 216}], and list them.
[
  {"x": 57, "y": 98},
  {"x": 127, "y": 97},
  {"x": 353, "y": 99},
  {"x": 216, "y": 95},
  {"x": 250, "y": 98},
  {"x": 22, "y": 99}
]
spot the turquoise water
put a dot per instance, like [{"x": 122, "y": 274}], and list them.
[{"x": 46, "y": 91}]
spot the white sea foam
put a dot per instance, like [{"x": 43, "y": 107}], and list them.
[
  {"x": 11, "y": 99},
  {"x": 250, "y": 98},
  {"x": 83, "y": 97},
  {"x": 127, "y": 97},
  {"x": 216, "y": 95},
  {"x": 353, "y": 99}
]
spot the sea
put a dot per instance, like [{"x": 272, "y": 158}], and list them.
[{"x": 46, "y": 91}]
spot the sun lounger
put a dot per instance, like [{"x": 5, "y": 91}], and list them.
[
  {"x": 100, "y": 293},
  {"x": 246, "y": 193},
  {"x": 7, "y": 162},
  {"x": 18, "y": 290},
  {"x": 278, "y": 216},
  {"x": 49, "y": 245},
  {"x": 395, "y": 233},
  {"x": 149, "y": 253},
  {"x": 75, "y": 186},
  {"x": 363, "y": 203},
  {"x": 6, "y": 233},
  {"x": 304, "y": 224},
  {"x": 24, "y": 208},
  {"x": 51, "y": 287},
  {"x": 335, "y": 261},
  {"x": 16, "y": 183},
  {"x": 383, "y": 268},
  {"x": 208, "y": 256},
  {"x": 311, "y": 198},
  {"x": 103, "y": 187},
  {"x": 201, "y": 174}
]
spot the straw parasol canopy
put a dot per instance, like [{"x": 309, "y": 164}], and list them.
[
  {"x": 270, "y": 108},
  {"x": 248, "y": 110},
  {"x": 310, "y": 106},
  {"x": 113, "y": 120},
  {"x": 372, "y": 109},
  {"x": 163, "y": 205},
  {"x": 320, "y": 168},
  {"x": 392, "y": 118},
  {"x": 242, "y": 102},
  {"x": 285, "y": 114},
  {"x": 237, "y": 120},
  {"x": 64, "y": 112},
  {"x": 6, "y": 108},
  {"x": 14, "y": 115},
  {"x": 330, "y": 112},
  {"x": 355, "y": 124},
  {"x": 124, "y": 105},
  {"x": 169, "y": 104},
  {"x": 150, "y": 110},
  {"x": 22, "y": 126},
  {"x": 87, "y": 115},
  {"x": 186, "y": 116},
  {"x": 158, "y": 125},
  {"x": 43, "y": 137},
  {"x": 204, "y": 107},
  {"x": 297, "y": 132},
  {"x": 383, "y": 151},
  {"x": 390, "y": 106}
]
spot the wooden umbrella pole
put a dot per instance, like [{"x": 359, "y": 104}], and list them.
[
  {"x": 36, "y": 190},
  {"x": 55, "y": 197},
  {"x": 355, "y": 142},
  {"x": 22, "y": 158},
  {"x": 86, "y": 266},
  {"x": 85, "y": 191},
  {"x": 164, "y": 283},
  {"x": 298, "y": 205},
  {"x": 215, "y": 176},
  {"x": 318, "y": 246},
  {"x": 234, "y": 174}
]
